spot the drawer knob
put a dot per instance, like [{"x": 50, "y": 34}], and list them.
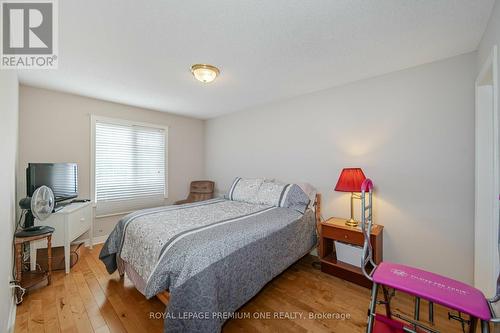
[{"x": 345, "y": 236}]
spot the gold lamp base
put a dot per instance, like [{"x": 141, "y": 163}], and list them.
[{"x": 352, "y": 222}]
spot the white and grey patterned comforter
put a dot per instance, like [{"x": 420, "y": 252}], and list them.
[{"x": 212, "y": 256}]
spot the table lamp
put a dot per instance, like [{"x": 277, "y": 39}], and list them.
[{"x": 350, "y": 180}]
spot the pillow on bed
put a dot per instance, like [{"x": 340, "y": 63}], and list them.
[
  {"x": 244, "y": 189},
  {"x": 310, "y": 191},
  {"x": 270, "y": 193},
  {"x": 295, "y": 198}
]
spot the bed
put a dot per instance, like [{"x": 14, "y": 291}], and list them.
[{"x": 215, "y": 255}]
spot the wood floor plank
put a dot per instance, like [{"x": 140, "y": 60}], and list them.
[
  {"x": 102, "y": 329},
  {"x": 107, "y": 311},
  {"x": 105, "y": 308},
  {"x": 64, "y": 314},
  {"x": 50, "y": 316},
  {"x": 21, "y": 325},
  {"x": 35, "y": 323},
  {"x": 80, "y": 317},
  {"x": 129, "y": 294},
  {"x": 96, "y": 319},
  {"x": 110, "y": 285},
  {"x": 22, "y": 317},
  {"x": 91, "y": 300}
]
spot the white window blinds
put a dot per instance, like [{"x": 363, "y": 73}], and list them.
[{"x": 129, "y": 162}]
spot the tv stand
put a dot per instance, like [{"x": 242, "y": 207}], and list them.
[{"x": 70, "y": 222}]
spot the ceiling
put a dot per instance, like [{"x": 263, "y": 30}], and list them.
[{"x": 140, "y": 52}]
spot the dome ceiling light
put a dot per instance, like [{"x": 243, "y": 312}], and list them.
[{"x": 204, "y": 73}]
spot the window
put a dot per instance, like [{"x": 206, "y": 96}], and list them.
[{"x": 129, "y": 165}]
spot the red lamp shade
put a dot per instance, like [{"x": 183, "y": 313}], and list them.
[{"x": 350, "y": 180}]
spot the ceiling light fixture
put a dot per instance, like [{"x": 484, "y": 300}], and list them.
[{"x": 204, "y": 73}]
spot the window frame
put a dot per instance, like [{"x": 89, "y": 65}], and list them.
[{"x": 124, "y": 206}]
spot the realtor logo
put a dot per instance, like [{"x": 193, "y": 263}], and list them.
[{"x": 29, "y": 34}]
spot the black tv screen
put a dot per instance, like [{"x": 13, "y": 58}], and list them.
[{"x": 62, "y": 178}]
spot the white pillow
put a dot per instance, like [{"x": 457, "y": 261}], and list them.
[
  {"x": 273, "y": 193},
  {"x": 245, "y": 189},
  {"x": 269, "y": 193}
]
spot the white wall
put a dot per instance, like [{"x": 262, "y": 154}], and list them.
[
  {"x": 8, "y": 150},
  {"x": 411, "y": 131},
  {"x": 55, "y": 127}
]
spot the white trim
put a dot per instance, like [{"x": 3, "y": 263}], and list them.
[
  {"x": 490, "y": 226},
  {"x": 11, "y": 322},
  {"x": 93, "y": 119},
  {"x": 92, "y": 159},
  {"x": 114, "y": 214},
  {"x": 128, "y": 122},
  {"x": 96, "y": 240},
  {"x": 491, "y": 61}
]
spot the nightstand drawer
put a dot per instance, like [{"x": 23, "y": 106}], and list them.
[
  {"x": 79, "y": 222},
  {"x": 346, "y": 236},
  {"x": 335, "y": 229}
]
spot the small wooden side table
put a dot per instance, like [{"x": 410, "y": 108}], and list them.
[
  {"x": 335, "y": 229},
  {"x": 31, "y": 278}
]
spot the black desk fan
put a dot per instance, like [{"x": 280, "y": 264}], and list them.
[{"x": 39, "y": 206}]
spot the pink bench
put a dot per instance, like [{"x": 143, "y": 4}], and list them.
[
  {"x": 419, "y": 283},
  {"x": 433, "y": 287}
]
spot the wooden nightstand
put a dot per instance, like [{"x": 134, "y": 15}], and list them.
[
  {"x": 335, "y": 229},
  {"x": 31, "y": 278}
]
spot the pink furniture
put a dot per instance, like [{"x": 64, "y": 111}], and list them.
[{"x": 435, "y": 288}]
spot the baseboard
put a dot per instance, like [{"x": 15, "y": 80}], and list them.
[
  {"x": 96, "y": 240},
  {"x": 11, "y": 323}
]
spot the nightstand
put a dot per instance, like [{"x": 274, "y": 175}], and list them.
[
  {"x": 33, "y": 277},
  {"x": 335, "y": 229}
]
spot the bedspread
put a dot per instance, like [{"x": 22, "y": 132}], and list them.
[{"x": 212, "y": 256}]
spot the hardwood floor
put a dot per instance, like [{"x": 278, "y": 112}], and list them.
[{"x": 90, "y": 300}]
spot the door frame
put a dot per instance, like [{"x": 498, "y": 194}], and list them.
[{"x": 486, "y": 258}]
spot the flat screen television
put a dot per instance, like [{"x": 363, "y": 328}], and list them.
[{"x": 62, "y": 178}]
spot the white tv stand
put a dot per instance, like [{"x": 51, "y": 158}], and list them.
[{"x": 69, "y": 223}]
